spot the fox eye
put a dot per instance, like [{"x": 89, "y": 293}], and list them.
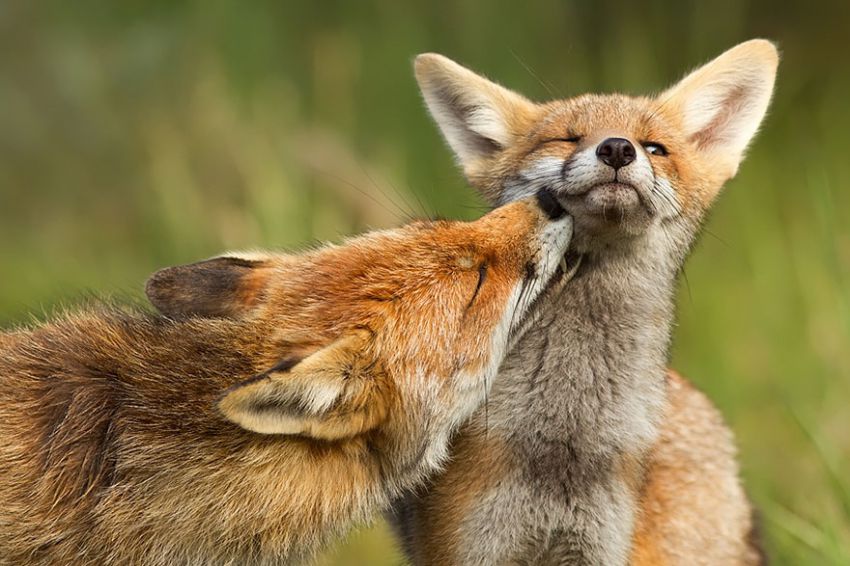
[
  {"x": 654, "y": 148},
  {"x": 482, "y": 275},
  {"x": 572, "y": 138}
]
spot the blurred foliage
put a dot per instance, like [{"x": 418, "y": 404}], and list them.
[{"x": 135, "y": 135}]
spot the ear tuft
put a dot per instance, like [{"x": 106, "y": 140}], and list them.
[
  {"x": 275, "y": 403},
  {"x": 334, "y": 393},
  {"x": 722, "y": 103},
  {"x": 220, "y": 287},
  {"x": 476, "y": 116}
]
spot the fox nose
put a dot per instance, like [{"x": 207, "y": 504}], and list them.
[
  {"x": 549, "y": 204},
  {"x": 616, "y": 152}
]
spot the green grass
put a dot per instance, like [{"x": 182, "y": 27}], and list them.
[{"x": 137, "y": 135}]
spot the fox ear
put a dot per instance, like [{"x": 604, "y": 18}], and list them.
[
  {"x": 722, "y": 103},
  {"x": 476, "y": 116},
  {"x": 221, "y": 287},
  {"x": 332, "y": 394}
]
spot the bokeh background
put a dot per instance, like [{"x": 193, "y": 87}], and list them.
[{"x": 135, "y": 135}]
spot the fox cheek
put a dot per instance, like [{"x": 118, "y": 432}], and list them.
[
  {"x": 666, "y": 198},
  {"x": 543, "y": 172}
]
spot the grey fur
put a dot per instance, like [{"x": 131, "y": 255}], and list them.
[{"x": 587, "y": 384}]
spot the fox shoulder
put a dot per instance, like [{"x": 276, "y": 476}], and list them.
[{"x": 680, "y": 513}]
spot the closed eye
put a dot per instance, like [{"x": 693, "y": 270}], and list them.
[
  {"x": 568, "y": 139},
  {"x": 482, "y": 275}
]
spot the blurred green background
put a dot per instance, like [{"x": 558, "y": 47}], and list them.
[{"x": 135, "y": 135}]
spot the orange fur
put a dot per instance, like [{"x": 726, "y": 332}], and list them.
[
  {"x": 131, "y": 438},
  {"x": 682, "y": 517}
]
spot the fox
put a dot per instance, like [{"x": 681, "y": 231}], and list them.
[
  {"x": 591, "y": 451},
  {"x": 273, "y": 402}
]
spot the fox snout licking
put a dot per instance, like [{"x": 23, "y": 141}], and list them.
[{"x": 276, "y": 401}]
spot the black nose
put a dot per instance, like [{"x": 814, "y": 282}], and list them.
[
  {"x": 549, "y": 204},
  {"x": 616, "y": 152}
]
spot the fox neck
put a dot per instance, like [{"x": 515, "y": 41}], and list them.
[
  {"x": 417, "y": 447},
  {"x": 590, "y": 374},
  {"x": 664, "y": 246}
]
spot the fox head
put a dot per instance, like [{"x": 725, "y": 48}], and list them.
[
  {"x": 397, "y": 328},
  {"x": 626, "y": 168}
]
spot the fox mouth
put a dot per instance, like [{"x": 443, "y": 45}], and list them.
[
  {"x": 607, "y": 212},
  {"x": 610, "y": 201}
]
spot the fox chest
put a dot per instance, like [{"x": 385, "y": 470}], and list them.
[{"x": 591, "y": 528}]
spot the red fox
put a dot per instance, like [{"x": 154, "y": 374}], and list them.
[
  {"x": 283, "y": 399},
  {"x": 591, "y": 452}
]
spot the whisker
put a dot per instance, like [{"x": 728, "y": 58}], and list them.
[
  {"x": 669, "y": 237},
  {"x": 476, "y": 207},
  {"x": 652, "y": 204},
  {"x": 517, "y": 307},
  {"x": 404, "y": 214},
  {"x": 425, "y": 210},
  {"x": 658, "y": 108},
  {"x": 486, "y": 410},
  {"x": 666, "y": 198},
  {"x": 412, "y": 212},
  {"x": 716, "y": 237},
  {"x": 534, "y": 75},
  {"x": 429, "y": 214},
  {"x": 524, "y": 291},
  {"x": 687, "y": 285}
]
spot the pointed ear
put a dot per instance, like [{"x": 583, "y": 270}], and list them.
[
  {"x": 722, "y": 103},
  {"x": 227, "y": 286},
  {"x": 476, "y": 116},
  {"x": 332, "y": 394}
]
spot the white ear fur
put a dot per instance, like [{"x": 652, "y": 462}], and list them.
[
  {"x": 280, "y": 402},
  {"x": 723, "y": 102},
  {"x": 301, "y": 397},
  {"x": 476, "y": 116}
]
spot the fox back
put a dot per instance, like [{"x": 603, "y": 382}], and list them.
[{"x": 283, "y": 399}]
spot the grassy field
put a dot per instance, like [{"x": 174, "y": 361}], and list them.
[{"x": 137, "y": 135}]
